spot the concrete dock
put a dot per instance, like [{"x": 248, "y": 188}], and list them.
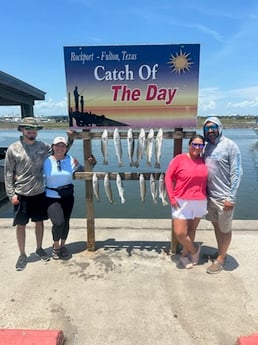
[{"x": 131, "y": 290}]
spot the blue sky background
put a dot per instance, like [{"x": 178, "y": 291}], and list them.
[{"x": 33, "y": 34}]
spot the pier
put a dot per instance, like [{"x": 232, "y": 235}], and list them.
[{"x": 130, "y": 290}]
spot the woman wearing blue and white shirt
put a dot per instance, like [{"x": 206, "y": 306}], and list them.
[{"x": 58, "y": 173}]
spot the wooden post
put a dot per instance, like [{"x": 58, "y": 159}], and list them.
[
  {"x": 87, "y": 136},
  {"x": 178, "y": 144},
  {"x": 89, "y": 195}
]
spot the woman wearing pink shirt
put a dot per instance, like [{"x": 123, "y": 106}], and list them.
[{"x": 186, "y": 181}]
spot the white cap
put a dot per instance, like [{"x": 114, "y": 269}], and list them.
[{"x": 59, "y": 140}]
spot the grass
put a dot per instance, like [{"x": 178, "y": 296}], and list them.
[{"x": 228, "y": 122}]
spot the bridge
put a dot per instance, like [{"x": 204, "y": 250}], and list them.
[{"x": 16, "y": 92}]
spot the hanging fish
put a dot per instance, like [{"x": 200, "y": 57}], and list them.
[
  {"x": 107, "y": 187},
  {"x": 140, "y": 147},
  {"x": 153, "y": 188},
  {"x": 104, "y": 146},
  {"x": 95, "y": 185},
  {"x": 118, "y": 146},
  {"x": 120, "y": 188},
  {"x": 149, "y": 146},
  {"x": 158, "y": 146},
  {"x": 162, "y": 189},
  {"x": 130, "y": 146},
  {"x": 142, "y": 187}
]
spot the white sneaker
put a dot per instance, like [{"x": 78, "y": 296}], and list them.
[{"x": 186, "y": 262}]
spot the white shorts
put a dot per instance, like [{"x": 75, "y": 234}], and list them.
[{"x": 190, "y": 209}]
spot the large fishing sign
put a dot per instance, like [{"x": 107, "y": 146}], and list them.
[{"x": 137, "y": 86}]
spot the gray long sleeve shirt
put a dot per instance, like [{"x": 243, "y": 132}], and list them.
[
  {"x": 24, "y": 168},
  {"x": 223, "y": 160}
]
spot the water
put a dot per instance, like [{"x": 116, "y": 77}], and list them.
[{"x": 246, "y": 207}]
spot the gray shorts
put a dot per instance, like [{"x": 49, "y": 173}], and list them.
[{"x": 217, "y": 214}]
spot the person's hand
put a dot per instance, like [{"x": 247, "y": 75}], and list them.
[
  {"x": 228, "y": 206},
  {"x": 70, "y": 132},
  {"x": 15, "y": 200},
  {"x": 92, "y": 160},
  {"x": 175, "y": 205}
]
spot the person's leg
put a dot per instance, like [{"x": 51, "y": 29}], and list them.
[
  {"x": 36, "y": 207},
  {"x": 55, "y": 213},
  {"x": 223, "y": 242},
  {"x": 67, "y": 206},
  {"x": 21, "y": 236},
  {"x": 39, "y": 232},
  {"x": 192, "y": 226},
  {"x": 180, "y": 227}
]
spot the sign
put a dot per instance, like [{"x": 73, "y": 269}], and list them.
[{"x": 137, "y": 86}]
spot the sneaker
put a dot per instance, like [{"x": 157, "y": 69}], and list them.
[
  {"x": 195, "y": 257},
  {"x": 21, "y": 262},
  {"x": 64, "y": 252},
  {"x": 40, "y": 252},
  {"x": 186, "y": 262},
  {"x": 215, "y": 267},
  {"x": 55, "y": 254}
]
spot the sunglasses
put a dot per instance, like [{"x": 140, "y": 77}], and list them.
[
  {"x": 212, "y": 127},
  {"x": 29, "y": 128},
  {"x": 58, "y": 163},
  {"x": 197, "y": 145}
]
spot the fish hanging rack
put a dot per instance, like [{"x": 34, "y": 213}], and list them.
[{"x": 87, "y": 135}]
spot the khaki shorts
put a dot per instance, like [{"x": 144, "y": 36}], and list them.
[{"x": 217, "y": 214}]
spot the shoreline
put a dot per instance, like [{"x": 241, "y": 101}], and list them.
[{"x": 239, "y": 125}]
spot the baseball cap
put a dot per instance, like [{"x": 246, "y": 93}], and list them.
[{"x": 59, "y": 140}]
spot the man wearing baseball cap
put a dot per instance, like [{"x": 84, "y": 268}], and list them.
[
  {"x": 223, "y": 160},
  {"x": 25, "y": 187}
]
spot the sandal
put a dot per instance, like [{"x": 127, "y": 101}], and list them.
[{"x": 55, "y": 254}]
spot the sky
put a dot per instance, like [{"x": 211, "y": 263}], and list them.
[{"x": 33, "y": 34}]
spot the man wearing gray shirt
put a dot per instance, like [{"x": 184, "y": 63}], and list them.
[
  {"x": 24, "y": 185},
  {"x": 223, "y": 159}
]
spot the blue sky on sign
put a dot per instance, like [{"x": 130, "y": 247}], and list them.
[{"x": 33, "y": 34}]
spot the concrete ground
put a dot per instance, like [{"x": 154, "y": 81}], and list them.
[{"x": 131, "y": 291}]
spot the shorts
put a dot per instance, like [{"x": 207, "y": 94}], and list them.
[
  {"x": 190, "y": 209},
  {"x": 30, "y": 207},
  {"x": 217, "y": 214}
]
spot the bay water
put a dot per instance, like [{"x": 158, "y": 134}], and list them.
[{"x": 246, "y": 206}]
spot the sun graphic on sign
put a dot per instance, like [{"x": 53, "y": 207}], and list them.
[{"x": 180, "y": 62}]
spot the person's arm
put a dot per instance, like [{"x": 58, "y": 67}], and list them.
[
  {"x": 235, "y": 172},
  {"x": 9, "y": 171},
  {"x": 70, "y": 139},
  {"x": 169, "y": 182}
]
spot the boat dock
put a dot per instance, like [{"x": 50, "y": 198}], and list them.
[{"x": 131, "y": 290}]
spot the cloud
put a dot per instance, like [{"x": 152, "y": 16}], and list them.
[
  {"x": 51, "y": 107},
  {"x": 48, "y": 107},
  {"x": 243, "y": 101},
  {"x": 244, "y": 104}
]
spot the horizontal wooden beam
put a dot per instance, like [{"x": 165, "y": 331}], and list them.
[
  {"x": 96, "y": 134},
  {"x": 112, "y": 176}
]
